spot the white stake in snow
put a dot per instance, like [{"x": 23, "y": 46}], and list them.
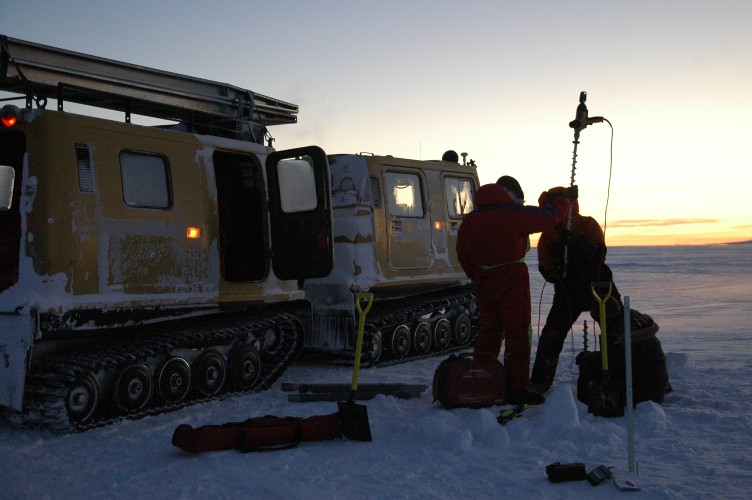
[{"x": 628, "y": 360}]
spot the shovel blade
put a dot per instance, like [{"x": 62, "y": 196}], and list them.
[
  {"x": 354, "y": 421},
  {"x": 606, "y": 398}
]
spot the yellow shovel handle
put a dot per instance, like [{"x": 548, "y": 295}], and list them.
[
  {"x": 602, "y": 322},
  {"x": 359, "y": 297}
]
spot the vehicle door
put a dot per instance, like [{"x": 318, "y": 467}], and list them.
[
  {"x": 300, "y": 213},
  {"x": 459, "y": 193},
  {"x": 408, "y": 224}
]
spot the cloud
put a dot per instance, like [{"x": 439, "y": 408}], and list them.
[{"x": 659, "y": 222}]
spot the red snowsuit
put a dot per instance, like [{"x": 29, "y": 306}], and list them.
[
  {"x": 491, "y": 246},
  {"x": 586, "y": 254}
]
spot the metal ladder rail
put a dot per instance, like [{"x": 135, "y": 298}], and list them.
[{"x": 87, "y": 79}]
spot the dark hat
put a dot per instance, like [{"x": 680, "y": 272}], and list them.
[{"x": 510, "y": 183}]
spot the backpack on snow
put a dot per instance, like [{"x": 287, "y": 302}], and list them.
[
  {"x": 649, "y": 373},
  {"x": 469, "y": 380}
]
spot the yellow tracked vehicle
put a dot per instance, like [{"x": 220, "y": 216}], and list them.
[
  {"x": 395, "y": 224},
  {"x": 145, "y": 268}
]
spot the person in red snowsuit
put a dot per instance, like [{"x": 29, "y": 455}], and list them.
[
  {"x": 585, "y": 263},
  {"x": 491, "y": 246}
]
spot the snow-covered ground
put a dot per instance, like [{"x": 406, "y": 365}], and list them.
[{"x": 696, "y": 444}]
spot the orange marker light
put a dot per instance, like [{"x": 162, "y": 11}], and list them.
[
  {"x": 9, "y": 115},
  {"x": 192, "y": 232},
  {"x": 437, "y": 225}
]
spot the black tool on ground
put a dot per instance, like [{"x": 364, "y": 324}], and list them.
[
  {"x": 354, "y": 416},
  {"x": 506, "y": 416},
  {"x": 335, "y": 392},
  {"x": 599, "y": 474},
  {"x": 558, "y": 472},
  {"x": 605, "y": 397}
]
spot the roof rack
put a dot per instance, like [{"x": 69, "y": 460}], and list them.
[{"x": 41, "y": 71}]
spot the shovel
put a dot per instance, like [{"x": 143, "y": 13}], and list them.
[
  {"x": 354, "y": 416},
  {"x": 606, "y": 396}
]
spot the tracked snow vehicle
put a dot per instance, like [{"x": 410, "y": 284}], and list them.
[
  {"x": 147, "y": 267},
  {"x": 395, "y": 224}
]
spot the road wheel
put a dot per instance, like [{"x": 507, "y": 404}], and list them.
[
  {"x": 442, "y": 334},
  {"x": 82, "y": 399},
  {"x": 174, "y": 380},
  {"x": 245, "y": 367},
  {"x": 375, "y": 348},
  {"x": 422, "y": 338},
  {"x": 462, "y": 329},
  {"x": 133, "y": 388},
  {"x": 400, "y": 343},
  {"x": 209, "y": 373}
]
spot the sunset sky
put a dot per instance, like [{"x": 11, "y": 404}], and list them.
[{"x": 499, "y": 80}]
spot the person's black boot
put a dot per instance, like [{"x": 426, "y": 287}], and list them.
[
  {"x": 544, "y": 367},
  {"x": 528, "y": 396}
]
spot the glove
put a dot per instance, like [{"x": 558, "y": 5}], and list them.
[
  {"x": 567, "y": 237},
  {"x": 572, "y": 192}
]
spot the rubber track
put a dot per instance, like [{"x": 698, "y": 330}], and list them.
[
  {"x": 388, "y": 318},
  {"x": 49, "y": 379}
]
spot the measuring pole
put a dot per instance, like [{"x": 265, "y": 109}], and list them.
[{"x": 628, "y": 361}]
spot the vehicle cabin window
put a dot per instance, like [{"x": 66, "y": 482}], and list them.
[
  {"x": 404, "y": 195},
  {"x": 145, "y": 180},
  {"x": 297, "y": 185},
  {"x": 459, "y": 195},
  {"x": 349, "y": 183}
]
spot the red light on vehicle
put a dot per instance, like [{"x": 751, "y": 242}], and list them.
[
  {"x": 9, "y": 115},
  {"x": 192, "y": 233}
]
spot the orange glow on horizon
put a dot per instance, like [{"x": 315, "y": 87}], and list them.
[
  {"x": 650, "y": 240},
  {"x": 673, "y": 232}
]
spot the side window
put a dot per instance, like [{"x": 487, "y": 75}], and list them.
[
  {"x": 297, "y": 186},
  {"x": 459, "y": 196},
  {"x": 404, "y": 195},
  {"x": 145, "y": 180}
]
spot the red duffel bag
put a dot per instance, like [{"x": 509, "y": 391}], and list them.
[
  {"x": 258, "y": 434},
  {"x": 469, "y": 380}
]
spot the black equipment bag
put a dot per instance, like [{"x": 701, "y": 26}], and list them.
[
  {"x": 469, "y": 380},
  {"x": 649, "y": 372}
]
